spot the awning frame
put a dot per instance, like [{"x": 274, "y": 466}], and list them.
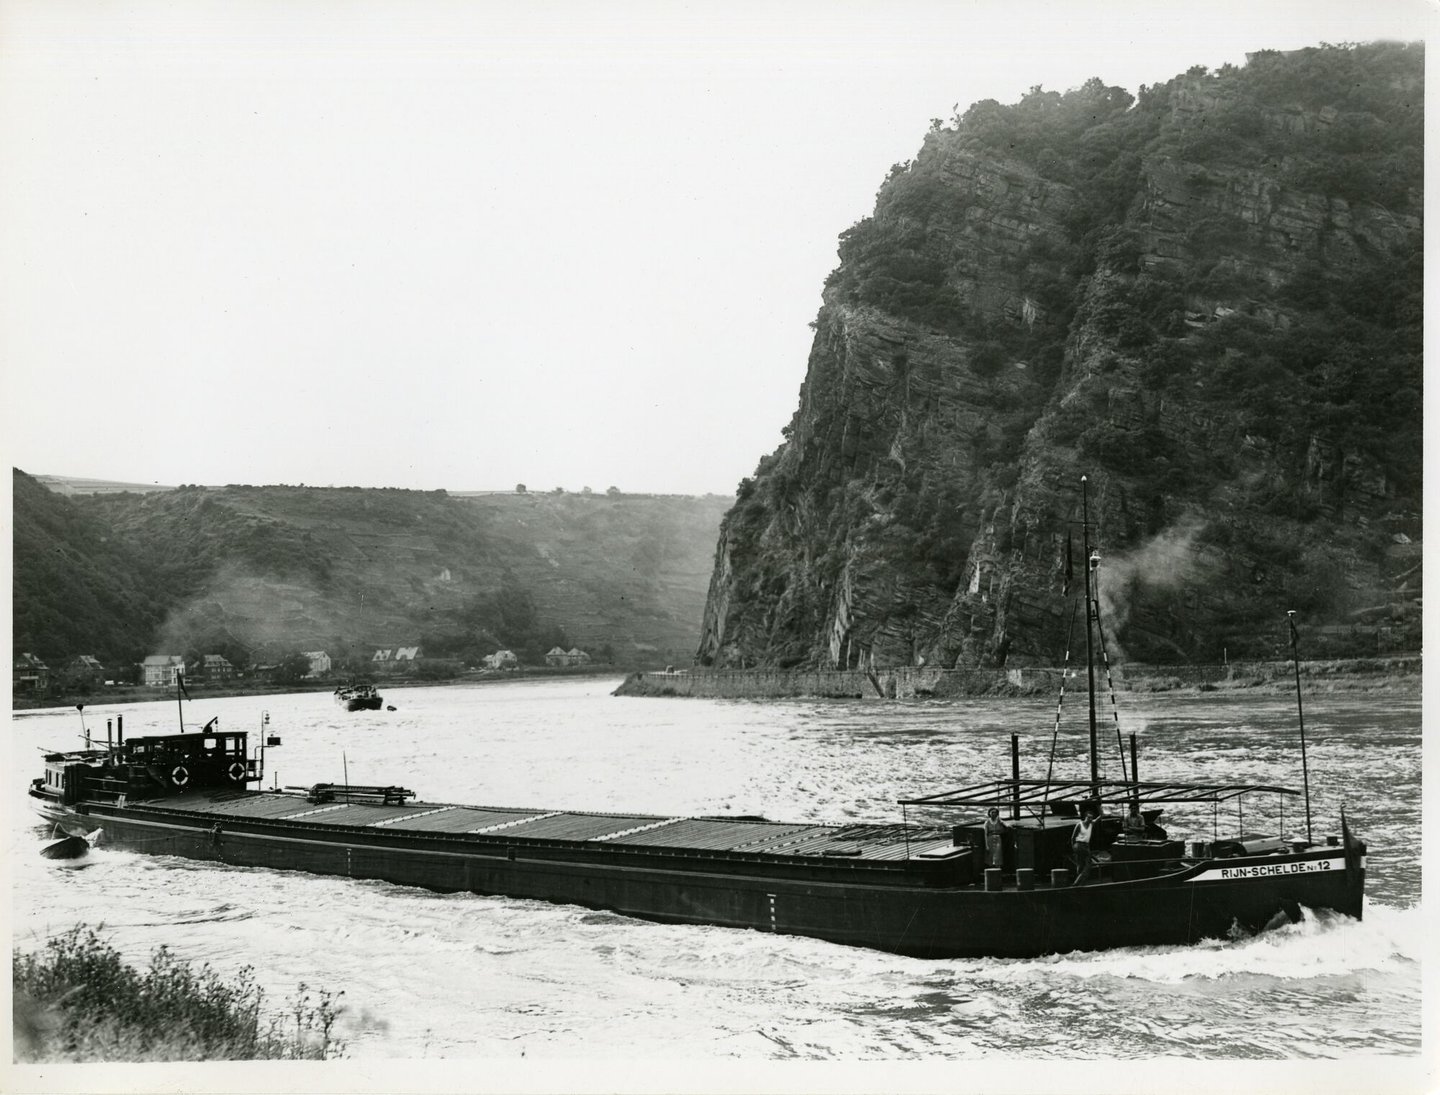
[{"x": 1034, "y": 793}]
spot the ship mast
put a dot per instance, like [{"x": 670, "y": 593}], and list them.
[{"x": 1091, "y": 561}]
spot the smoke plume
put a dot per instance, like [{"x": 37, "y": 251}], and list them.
[{"x": 1168, "y": 561}]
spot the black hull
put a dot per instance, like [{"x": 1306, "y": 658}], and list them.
[
  {"x": 363, "y": 699},
  {"x": 900, "y": 909},
  {"x": 71, "y": 847}
]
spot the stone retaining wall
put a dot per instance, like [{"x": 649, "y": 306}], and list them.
[{"x": 923, "y": 682}]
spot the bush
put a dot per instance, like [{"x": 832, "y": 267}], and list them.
[{"x": 78, "y": 1001}]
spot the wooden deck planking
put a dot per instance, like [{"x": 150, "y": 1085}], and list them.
[
  {"x": 704, "y": 834},
  {"x": 235, "y": 804},
  {"x": 458, "y": 819},
  {"x": 874, "y": 842},
  {"x": 564, "y": 826},
  {"x": 354, "y": 813}
]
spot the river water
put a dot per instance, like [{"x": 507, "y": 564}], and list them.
[{"x": 463, "y": 976}]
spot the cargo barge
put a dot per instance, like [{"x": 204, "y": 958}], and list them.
[
  {"x": 921, "y": 890},
  {"x": 969, "y": 884}
]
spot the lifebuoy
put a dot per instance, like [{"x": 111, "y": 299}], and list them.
[
  {"x": 237, "y": 772},
  {"x": 179, "y": 777}
]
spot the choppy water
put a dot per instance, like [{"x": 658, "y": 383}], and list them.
[{"x": 463, "y": 976}]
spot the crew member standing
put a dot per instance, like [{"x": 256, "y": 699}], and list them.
[
  {"x": 995, "y": 839},
  {"x": 1080, "y": 842}
]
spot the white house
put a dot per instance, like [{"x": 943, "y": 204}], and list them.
[
  {"x": 501, "y": 659},
  {"x": 574, "y": 656},
  {"x": 320, "y": 664},
  {"x": 160, "y": 670}
]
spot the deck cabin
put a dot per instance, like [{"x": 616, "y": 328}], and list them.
[{"x": 152, "y": 766}]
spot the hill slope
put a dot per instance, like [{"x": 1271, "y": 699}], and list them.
[
  {"x": 1208, "y": 299},
  {"x": 76, "y": 587},
  {"x": 252, "y": 572}
]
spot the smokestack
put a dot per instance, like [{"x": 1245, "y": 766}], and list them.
[
  {"x": 119, "y": 729},
  {"x": 109, "y": 734}
]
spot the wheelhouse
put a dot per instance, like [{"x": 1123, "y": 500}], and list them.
[{"x": 151, "y": 767}]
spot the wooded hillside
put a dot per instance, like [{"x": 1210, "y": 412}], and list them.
[{"x": 255, "y": 572}]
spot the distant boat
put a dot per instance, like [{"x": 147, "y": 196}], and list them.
[{"x": 358, "y": 697}]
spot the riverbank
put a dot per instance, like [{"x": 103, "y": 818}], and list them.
[
  {"x": 1399, "y": 674},
  {"x": 134, "y": 693}
]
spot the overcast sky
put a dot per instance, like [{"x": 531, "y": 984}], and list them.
[{"x": 467, "y": 245}]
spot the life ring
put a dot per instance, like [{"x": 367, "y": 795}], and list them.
[
  {"x": 179, "y": 777},
  {"x": 237, "y": 772}
]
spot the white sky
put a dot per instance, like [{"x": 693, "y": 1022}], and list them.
[{"x": 466, "y": 245}]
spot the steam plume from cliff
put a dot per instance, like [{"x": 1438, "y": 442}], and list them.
[
  {"x": 1168, "y": 561},
  {"x": 255, "y": 612}
]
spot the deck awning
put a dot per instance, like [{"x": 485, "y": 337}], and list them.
[{"x": 1039, "y": 792}]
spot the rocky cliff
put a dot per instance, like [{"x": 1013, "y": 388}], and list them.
[{"x": 1207, "y": 299}]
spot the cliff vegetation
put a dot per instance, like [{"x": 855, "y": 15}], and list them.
[{"x": 1207, "y": 297}]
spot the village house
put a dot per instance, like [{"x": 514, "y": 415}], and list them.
[
  {"x": 160, "y": 670},
  {"x": 574, "y": 656},
  {"x": 320, "y": 664},
  {"x": 85, "y": 671},
  {"x": 395, "y": 659},
  {"x": 30, "y": 675},
  {"x": 214, "y": 667},
  {"x": 501, "y": 659}
]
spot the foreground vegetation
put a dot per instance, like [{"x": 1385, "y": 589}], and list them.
[{"x": 77, "y": 1001}]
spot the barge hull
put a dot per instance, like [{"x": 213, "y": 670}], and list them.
[{"x": 891, "y": 912}]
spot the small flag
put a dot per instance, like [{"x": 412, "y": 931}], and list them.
[
  {"x": 1290, "y": 619},
  {"x": 180, "y": 680},
  {"x": 1069, "y": 563}
]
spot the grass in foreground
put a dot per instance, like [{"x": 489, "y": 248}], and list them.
[{"x": 76, "y": 1000}]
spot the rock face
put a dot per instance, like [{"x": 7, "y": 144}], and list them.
[{"x": 1207, "y": 301}]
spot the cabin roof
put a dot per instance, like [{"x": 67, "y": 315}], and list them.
[
  {"x": 1039, "y": 792},
  {"x": 187, "y": 738}
]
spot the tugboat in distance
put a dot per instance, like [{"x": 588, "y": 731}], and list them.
[{"x": 358, "y": 697}]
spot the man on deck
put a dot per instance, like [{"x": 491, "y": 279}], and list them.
[{"x": 1080, "y": 841}]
